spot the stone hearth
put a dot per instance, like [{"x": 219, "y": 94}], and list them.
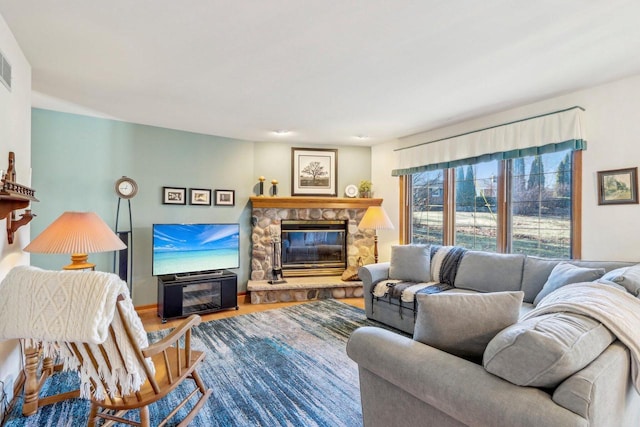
[{"x": 303, "y": 289}]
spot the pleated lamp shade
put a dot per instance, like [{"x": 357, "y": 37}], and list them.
[
  {"x": 375, "y": 218},
  {"x": 78, "y": 234}
]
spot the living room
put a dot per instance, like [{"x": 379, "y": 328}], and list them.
[{"x": 72, "y": 155}]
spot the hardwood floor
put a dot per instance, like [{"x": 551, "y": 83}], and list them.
[{"x": 152, "y": 322}]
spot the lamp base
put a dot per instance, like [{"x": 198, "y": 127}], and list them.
[
  {"x": 79, "y": 262},
  {"x": 375, "y": 246}
]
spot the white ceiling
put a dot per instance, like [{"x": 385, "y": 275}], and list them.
[{"x": 326, "y": 70}]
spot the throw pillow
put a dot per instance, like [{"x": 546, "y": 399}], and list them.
[
  {"x": 543, "y": 351},
  {"x": 351, "y": 273},
  {"x": 565, "y": 274},
  {"x": 628, "y": 277},
  {"x": 464, "y": 323},
  {"x": 604, "y": 281},
  {"x": 410, "y": 263}
]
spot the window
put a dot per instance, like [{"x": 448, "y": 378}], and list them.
[
  {"x": 541, "y": 205},
  {"x": 524, "y": 205},
  {"x": 427, "y": 199},
  {"x": 476, "y": 220}
]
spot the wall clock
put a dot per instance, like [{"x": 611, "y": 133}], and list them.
[{"x": 126, "y": 188}]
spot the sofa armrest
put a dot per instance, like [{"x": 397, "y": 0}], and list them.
[
  {"x": 459, "y": 388},
  {"x": 373, "y": 273},
  {"x": 603, "y": 391}
]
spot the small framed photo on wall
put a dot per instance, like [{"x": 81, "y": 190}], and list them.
[
  {"x": 174, "y": 196},
  {"x": 200, "y": 196},
  {"x": 225, "y": 198},
  {"x": 617, "y": 187}
]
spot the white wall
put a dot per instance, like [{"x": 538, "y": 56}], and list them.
[
  {"x": 387, "y": 187},
  {"x": 612, "y": 128},
  {"x": 15, "y": 135}
]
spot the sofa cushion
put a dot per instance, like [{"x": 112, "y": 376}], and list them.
[
  {"x": 410, "y": 263},
  {"x": 628, "y": 277},
  {"x": 537, "y": 271},
  {"x": 490, "y": 272},
  {"x": 544, "y": 350},
  {"x": 464, "y": 323},
  {"x": 535, "y": 274},
  {"x": 564, "y": 274}
]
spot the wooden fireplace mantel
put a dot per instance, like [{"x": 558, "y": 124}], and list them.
[{"x": 313, "y": 202}]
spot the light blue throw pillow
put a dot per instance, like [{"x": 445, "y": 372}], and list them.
[
  {"x": 410, "y": 263},
  {"x": 565, "y": 274},
  {"x": 627, "y": 277}
]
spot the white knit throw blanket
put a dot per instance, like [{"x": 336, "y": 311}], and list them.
[
  {"x": 616, "y": 309},
  {"x": 60, "y": 307}
]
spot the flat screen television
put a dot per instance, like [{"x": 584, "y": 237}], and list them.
[{"x": 195, "y": 248}]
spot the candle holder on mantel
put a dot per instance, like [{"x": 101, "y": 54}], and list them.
[
  {"x": 274, "y": 187},
  {"x": 261, "y": 186}
]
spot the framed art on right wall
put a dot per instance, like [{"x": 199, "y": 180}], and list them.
[{"x": 617, "y": 187}]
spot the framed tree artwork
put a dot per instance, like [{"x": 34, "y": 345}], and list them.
[{"x": 314, "y": 172}]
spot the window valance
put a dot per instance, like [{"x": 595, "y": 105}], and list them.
[{"x": 560, "y": 130}]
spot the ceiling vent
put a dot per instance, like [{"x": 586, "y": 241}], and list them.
[{"x": 5, "y": 71}]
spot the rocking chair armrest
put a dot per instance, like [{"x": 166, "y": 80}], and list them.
[{"x": 173, "y": 337}]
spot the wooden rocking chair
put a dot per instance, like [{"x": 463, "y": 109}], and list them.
[
  {"x": 174, "y": 362},
  {"x": 88, "y": 317}
]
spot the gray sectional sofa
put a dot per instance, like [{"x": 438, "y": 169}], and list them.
[{"x": 407, "y": 382}]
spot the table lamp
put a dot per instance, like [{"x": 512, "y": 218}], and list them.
[
  {"x": 78, "y": 234},
  {"x": 377, "y": 219}
]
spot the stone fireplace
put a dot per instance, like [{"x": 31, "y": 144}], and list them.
[{"x": 269, "y": 213}]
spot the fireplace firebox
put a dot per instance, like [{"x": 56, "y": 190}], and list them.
[{"x": 313, "y": 248}]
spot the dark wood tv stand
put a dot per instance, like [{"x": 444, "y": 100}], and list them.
[{"x": 196, "y": 293}]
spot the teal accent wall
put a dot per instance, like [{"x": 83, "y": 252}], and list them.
[{"x": 77, "y": 159}]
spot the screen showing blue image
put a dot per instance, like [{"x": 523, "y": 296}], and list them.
[{"x": 188, "y": 248}]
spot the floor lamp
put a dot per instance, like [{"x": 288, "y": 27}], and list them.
[
  {"x": 78, "y": 234},
  {"x": 375, "y": 218}
]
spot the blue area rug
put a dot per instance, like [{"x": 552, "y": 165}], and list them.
[{"x": 282, "y": 367}]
